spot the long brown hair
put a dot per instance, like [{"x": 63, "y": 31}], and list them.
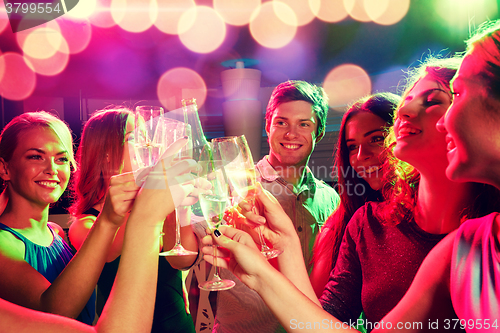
[
  {"x": 99, "y": 156},
  {"x": 327, "y": 247},
  {"x": 401, "y": 180}
]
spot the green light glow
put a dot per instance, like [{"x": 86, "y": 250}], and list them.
[{"x": 464, "y": 15}]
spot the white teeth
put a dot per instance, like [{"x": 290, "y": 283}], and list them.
[
  {"x": 48, "y": 184},
  {"x": 291, "y": 146},
  {"x": 373, "y": 168},
  {"x": 408, "y": 130}
]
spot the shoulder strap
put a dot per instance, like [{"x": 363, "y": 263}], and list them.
[
  {"x": 91, "y": 211},
  {"x": 12, "y": 231}
]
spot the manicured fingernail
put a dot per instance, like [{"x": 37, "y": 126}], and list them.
[
  {"x": 217, "y": 233},
  {"x": 186, "y": 137}
]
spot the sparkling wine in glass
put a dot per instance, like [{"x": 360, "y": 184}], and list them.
[
  {"x": 168, "y": 132},
  {"x": 240, "y": 170},
  {"x": 213, "y": 205},
  {"x": 146, "y": 150}
]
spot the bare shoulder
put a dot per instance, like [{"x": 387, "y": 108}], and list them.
[
  {"x": 11, "y": 247},
  {"x": 79, "y": 229},
  {"x": 57, "y": 228}
]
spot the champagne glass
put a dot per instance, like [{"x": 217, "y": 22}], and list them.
[
  {"x": 146, "y": 121},
  {"x": 238, "y": 164},
  {"x": 168, "y": 131},
  {"x": 213, "y": 205}
]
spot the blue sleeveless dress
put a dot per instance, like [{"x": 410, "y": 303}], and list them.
[{"x": 50, "y": 261}]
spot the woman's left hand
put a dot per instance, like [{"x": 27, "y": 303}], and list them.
[
  {"x": 120, "y": 198},
  {"x": 276, "y": 226},
  {"x": 238, "y": 253}
]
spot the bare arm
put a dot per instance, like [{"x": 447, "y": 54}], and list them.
[
  {"x": 279, "y": 230},
  {"x": 80, "y": 228},
  {"x": 135, "y": 285},
  {"x": 188, "y": 239},
  {"x": 429, "y": 295},
  {"x": 427, "y": 299},
  {"x": 70, "y": 291},
  {"x": 134, "y": 288},
  {"x": 291, "y": 307}
]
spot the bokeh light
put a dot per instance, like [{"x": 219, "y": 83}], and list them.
[
  {"x": 4, "y": 18},
  {"x": 345, "y": 84},
  {"x": 18, "y": 79},
  {"x": 134, "y": 15},
  {"x": 356, "y": 8},
  {"x": 301, "y": 9},
  {"x": 52, "y": 65},
  {"x": 386, "y": 12},
  {"x": 41, "y": 42},
  {"x": 102, "y": 15},
  {"x": 180, "y": 83},
  {"x": 236, "y": 12},
  {"x": 329, "y": 10},
  {"x": 2, "y": 66},
  {"x": 77, "y": 34},
  {"x": 202, "y": 29},
  {"x": 169, "y": 14},
  {"x": 273, "y": 25},
  {"x": 83, "y": 9}
]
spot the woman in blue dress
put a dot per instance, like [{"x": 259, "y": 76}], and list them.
[{"x": 36, "y": 158}]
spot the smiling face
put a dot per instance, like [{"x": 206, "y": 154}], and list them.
[
  {"x": 292, "y": 134},
  {"x": 417, "y": 140},
  {"x": 364, "y": 136},
  {"x": 473, "y": 123},
  {"x": 39, "y": 169}
]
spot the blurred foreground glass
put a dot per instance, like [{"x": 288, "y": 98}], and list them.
[
  {"x": 153, "y": 134},
  {"x": 213, "y": 204},
  {"x": 169, "y": 131},
  {"x": 240, "y": 170}
]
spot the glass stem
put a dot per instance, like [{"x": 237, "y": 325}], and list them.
[
  {"x": 263, "y": 245},
  {"x": 177, "y": 229},
  {"x": 216, "y": 268}
]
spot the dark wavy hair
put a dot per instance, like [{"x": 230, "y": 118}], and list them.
[
  {"x": 327, "y": 247},
  {"x": 99, "y": 156}
]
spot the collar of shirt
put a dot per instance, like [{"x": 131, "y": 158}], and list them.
[{"x": 268, "y": 173}]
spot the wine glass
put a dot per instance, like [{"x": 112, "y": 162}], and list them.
[
  {"x": 213, "y": 204},
  {"x": 168, "y": 131},
  {"x": 238, "y": 164},
  {"x": 145, "y": 152}
]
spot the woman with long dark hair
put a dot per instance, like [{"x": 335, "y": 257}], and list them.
[{"x": 358, "y": 165}]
